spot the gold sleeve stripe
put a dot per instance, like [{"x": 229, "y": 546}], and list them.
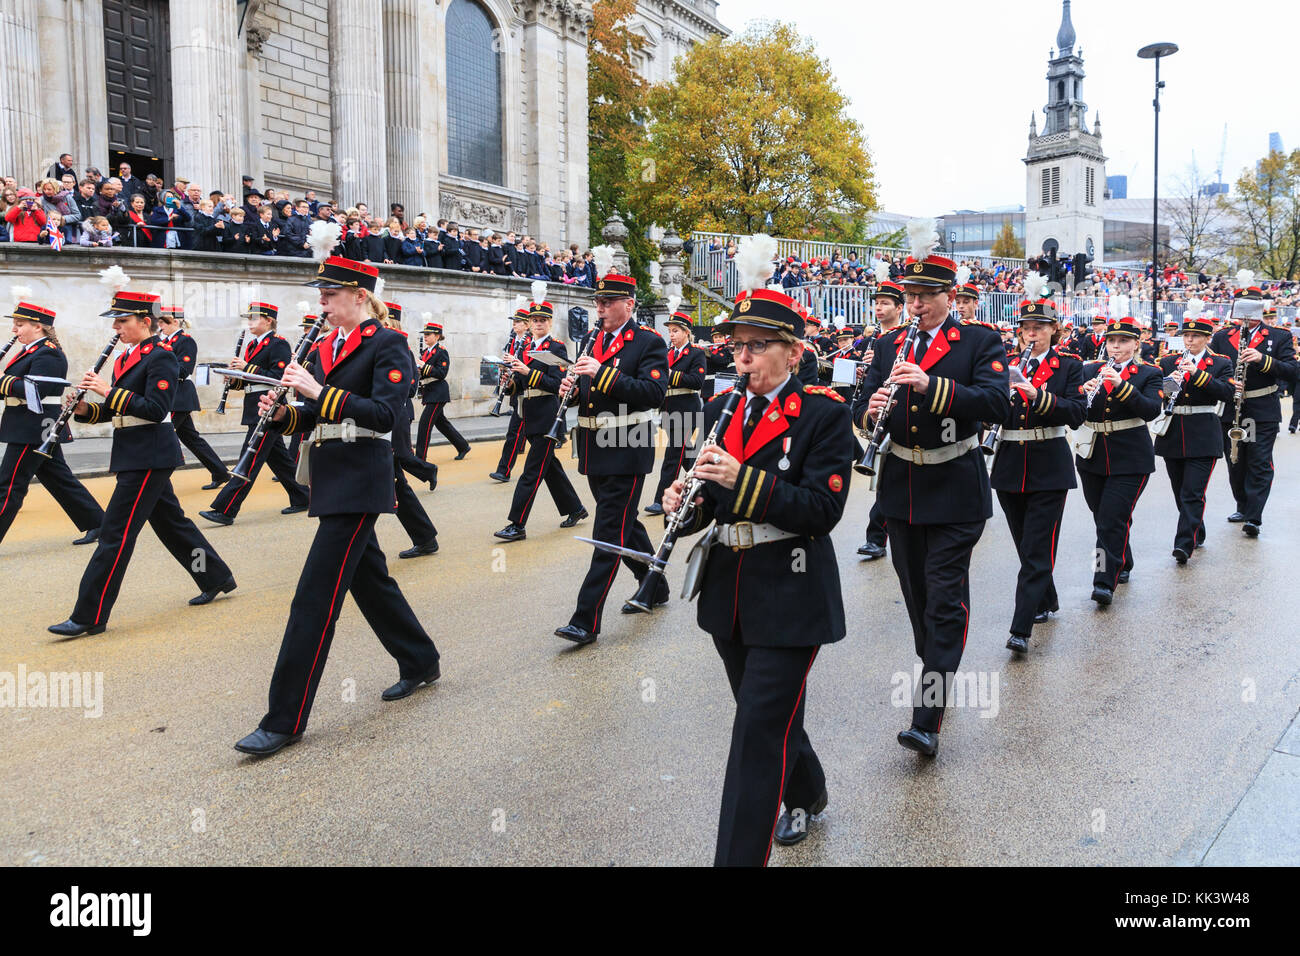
[
  {"x": 1268, "y": 361},
  {"x": 760, "y": 479},
  {"x": 937, "y": 395},
  {"x": 746, "y": 474}
]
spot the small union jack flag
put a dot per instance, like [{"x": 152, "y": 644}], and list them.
[{"x": 56, "y": 240}]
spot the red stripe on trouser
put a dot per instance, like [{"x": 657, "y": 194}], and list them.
[
  {"x": 126, "y": 536},
  {"x": 13, "y": 478},
  {"x": 328, "y": 620},
  {"x": 1127, "y": 528},
  {"x": 242, "y": 493},
  {"x": 424, "y": 439},
  {"x": 785, "y": 747},
  {"x": 965, "y": 630},
  {"x": 622, "y": 534},
  {"x": 528, "y": 502}
]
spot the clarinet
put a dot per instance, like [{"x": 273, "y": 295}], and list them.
[
  {"x": 556, "y": 434},
  {"x": 225, "y": 389},
  {"x": 246, "y": 460},
  {"x": 495, "y": 410},
  {"x": 994, "y": 435},
  {"x": 5, "y": 351},
  {"x": 867, "y": 466},
  {"x": 867, "y": 346},
  {"x": 52, "y": 438},
  {"x": 690, "y": 488}
]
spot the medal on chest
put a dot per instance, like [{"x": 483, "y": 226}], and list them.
[{"x": 784, "y": 463}]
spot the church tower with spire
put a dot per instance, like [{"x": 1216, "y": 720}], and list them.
[{"x": 1065, "y": 167}]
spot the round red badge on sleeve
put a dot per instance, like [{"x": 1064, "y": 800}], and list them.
[
  {"x": 163, "y": 385},
  {"x": 394, "y": 376},
  {"x": 654, "y": 373},
  {"x": 836, "y": 483},
  {"x": 997, "y": 366}
]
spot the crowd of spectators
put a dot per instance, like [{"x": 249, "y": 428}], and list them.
[{"x": 123, "y": 210}]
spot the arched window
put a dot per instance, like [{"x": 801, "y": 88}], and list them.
[
  {"x": 1060, "y": 90},
  {"x": 473, "y": 94}
]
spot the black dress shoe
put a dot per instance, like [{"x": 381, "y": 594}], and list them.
[
  {"x": 71, "y": 628},
  {"x": 216, "y": 517},
  {"x": 1102, "y": 595},
  {"x": 1018, "y": 644},
  {"x": 792, "y": 829},
  {"x": 409, "y": 685},
  {"x": 574, "y": 518},
  {"x": 497, "y": 476},
  {"x": 90, "y": 537},
  {"x": 429, "y": 547},
  {"x": 1181, "y": 556},
  {"x": 1123, "y": 577},
  {"x": 571, "y": 632},
  {"x": 207, "y": 596},
  {"x": 924, "y": 742},
  {"x": 1251, "y": 529},
  {"x": 276, "y": 479},
  {"x": 263, "y": 743},
  {"x": 461, "y": 455},
  {"x": 433, "y": 480},
  {"x": 511, "y": 532},
  {"x": 293, "y": 510},
  {"x": 654, "y": 509},
  {"x": 1236, "y": 517},
  {"x": 872, "y": 551},
  {"x": 216, "y": 483},
  {"x": 1042, "y": 617}
]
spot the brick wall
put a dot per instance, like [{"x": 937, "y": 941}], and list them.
[{"x": 295, "y": 115}]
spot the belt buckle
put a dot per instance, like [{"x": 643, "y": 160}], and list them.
[
  {"x": 743, "y": 534},
  {"x": 918, "y": 455},
  {"x": 1039, "y": 433},
  {"x": 117, "y": 421}
]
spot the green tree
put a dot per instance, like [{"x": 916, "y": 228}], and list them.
[
  {"x": 1005, "y": 243},
  {"x": 753, "y": 126},
  {"x": 616, "y": 115},
  {"x": 1265, "y": 207}
]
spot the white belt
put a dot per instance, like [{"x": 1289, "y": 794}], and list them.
[
  {"x": 1261, "y": 392},
  {"x": 327, "y": 432},
  {"x": 680, "y": 391},
  {"x": 1195, "y": 409},
  {"x": 254, "y": 388},
  {"x": 614, "y": 421},
  {"x": 1105, "y": 428},
  {"x": 535, "y": 393},
  {"x": 47, "y": 400},
  {"x": 427, "y": 381},
  {"x": 130, "y": 421},
  {"x": 933, "y": 456},
  {"x": 1033, "y": 434},
  {"x": 745, "y": 534}
]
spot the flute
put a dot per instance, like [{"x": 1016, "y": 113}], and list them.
[{"x": 52, "y": 438}]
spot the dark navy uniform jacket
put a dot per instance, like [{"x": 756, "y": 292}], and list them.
[
  {"x": 144, "y": 386},
  {"x": 20, "y": 425},
  {"x": 186, "y": 351},
  {"x": 1200, "y": 435},
  {"x": 1140, "y": 395},
  {"x": 434, "y": 365},
  {"x": 1278, "y": 368},
  {"x": 1045, "y": 465},
  {"x": 633, "y": 377},
  {"x": 538, "y": 413},
  {"x": 268, "y": 356}
]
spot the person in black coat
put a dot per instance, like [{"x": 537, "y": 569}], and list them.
[
  {"x": 130, "y": 183},
  {"x": 373, "y": 244},
  {"x": 475, "y": 254},
  {"x": 410, "y": 513},
  {"x": 1114, "y": 455},
  {"x": 775, "y": 485},
  {"x": 496, "y": 257},
  {"x": 293, "y": 233},
  {"x": 171, "y": 335},
  {"x": 205, "y": 231},
  {"x": 352, "y": 400},
  {"x": 23, "y": 431},
  {"x": 145, "y": 452},
  {"x": 453, "y": 254},
  {"x": 687, "y": 366},
  {"x": 435, "y": 363},
  {"x": 516, "y": 346},
  {"x": 1188, "y": 436},
  {"x": 1032, "y": 468},
  {"x": 431, "y": 248}
]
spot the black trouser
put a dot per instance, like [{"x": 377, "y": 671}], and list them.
[
  {"x": 270, "y": 452},
  {"x": 933, "y": 565},
  {"x": 540, "y": 465},
  {"x": 618, "y": 498},
  {"x": 771, "y": 760},
  {"x": 415, "y": 520},
  {"x": 680, "y": 452},
  {"x": 344, "y": 557},
  {"x": 1189, "y": 478},
  {"x": 189, "y": 436},
  {"x": 434, "y": 416},
  {"x": 21, "y": 463},
  {"x": 1295, "y": 412},
  {"x": 1251, "y": 477},
  {"x": 404, "y": 459},
  {"x": 1035, "y": 521},
  {"x": 877, "y": 527},
  {"x": 513, "y": 445},
  {"x": 142, "y": 496},
  {"x": 1112, "y": 498}
]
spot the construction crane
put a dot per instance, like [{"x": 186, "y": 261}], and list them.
[{"x": 1223, "y": 150}]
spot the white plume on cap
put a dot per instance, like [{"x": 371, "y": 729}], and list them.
[
  {"x": 673, "y": 302},
  {"x": 1194, "y": 309},
  {"x": 115, "y": 277},
  {"x": 603, "y": 257},
  {"x": 426, "y": 317},
  {"x": 922, "y": 237},
  {"x": 721, "y": 317},
  {"x": 379, "y": 288},
  {"x": 303, "y": 307},
  {"x": 18, "y": 292},
  {"x": 322, "y": 237},
  {"x": 839, "y": 322},
  {"x": 538, "y": 289},
  {"x": 1118, "y": 306},
  {"x": 1034, "y": 285},
  {"x": 1245, "y": 278},
  {"x": 881, "y": 270},
  {"x": 754, "y": 255},
  {"x": 963, "y": 275},
  {"x": 521, "y": 302}
]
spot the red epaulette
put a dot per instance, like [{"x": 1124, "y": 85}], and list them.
[{"x": 825, "y": 390}]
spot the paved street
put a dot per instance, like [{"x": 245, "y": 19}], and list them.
[{"x": 1135, "y": 735}]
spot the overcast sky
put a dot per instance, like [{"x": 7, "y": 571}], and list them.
[{"x": 988, "y": 63}]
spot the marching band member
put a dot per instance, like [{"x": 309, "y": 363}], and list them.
[
  {"x": 172, "y": 335},
  {"x": 536, "y": 385},
  {"x": 1191, "y": 440},
  {"x": 1270, "y": 359},
  {"x": 681, "y": 411},
  {"x": 844, "y": 349},
  {"x": 410, "y": 513},
  {"x": 23, "y": 430},
  {"x": 809, "y": 367},
  {"x": 888, "y": 307},
  {"x": 145, "y": 453},
  {"x": 352, "y": 400},
  {"x": 1032, "y": 471},
  {"x": 267, "y": 354},
  {"x": 620, "y": 384},
  {"x": 933, "y": 485},
  {"x": 719, "y": 360},
  {"x": 308, "y": 324},
  {"x": 776, "y": 485},
  {"x": 1088, "y": 347},
  {"x": 518, "y": 344},
  {"x": 1114, "y": 454},
  {"x": 434, "y": 394},
  {"x": 968, "y": 296}
]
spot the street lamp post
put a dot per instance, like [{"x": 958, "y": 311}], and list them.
[{"x": 1154, "y": 51}]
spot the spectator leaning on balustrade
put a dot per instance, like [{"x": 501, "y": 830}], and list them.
[{"x": 26, "y": 219}]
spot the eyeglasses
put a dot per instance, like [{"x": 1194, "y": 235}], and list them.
[{"x": 755, "y": 346}]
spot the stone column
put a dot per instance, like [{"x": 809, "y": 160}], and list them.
[
  {"x": 614, "y": 232},
  {"x": 357, "y": 104},
  {"x": 545, "y": 160},
  {"x": 670, "y": 263},
  {"x": 206, "y": 107},
  {"x": 577, "y": 23},
  {"x": 74, "y": 97},
  {"x": 409, "y": 177},
  {"x": 20, "y": 93}
]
